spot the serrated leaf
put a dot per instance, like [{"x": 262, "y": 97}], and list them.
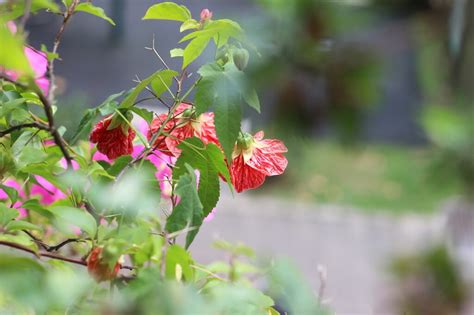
[
  {"x": 227, "y": 118},
  {"x": 163, "y": 81},
  {"x": 94, "y": 10},
  {"x": 189, "y": 209},
  {"x": 75, "y": 217},
  {"x": 205, "y": 96},
  {"x": 215, "y": 154},
  {"x": 168, "y": 11},
  {"x": 195, "y": 154},
  {"x": 194, "y": 49}
]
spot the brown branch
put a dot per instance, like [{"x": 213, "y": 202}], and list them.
[
  {"x": 26, "y": 125},
  {"x": 43, "y": 254}
]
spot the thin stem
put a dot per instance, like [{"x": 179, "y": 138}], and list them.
[
  {"x": 26, "y": 125},
  {"x": 57, "y": 41},
  {"x": 152, "y": 48},
  {"x": 26, "y": 14}
]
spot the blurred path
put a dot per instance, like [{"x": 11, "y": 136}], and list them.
[{"x": 354, "y": 246}]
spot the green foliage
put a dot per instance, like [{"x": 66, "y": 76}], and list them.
[
  {"x": 189, "y": 211},
  {"x": 12, "y": 10},
  {"x": 168, "y": 11},
  {"x": 14, "y": 57},
  {"x": 94, "y": 10}
]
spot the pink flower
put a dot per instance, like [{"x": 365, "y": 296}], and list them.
[
  {"x": 206, "y": 15},
  {"x": 254, "y": 159}
]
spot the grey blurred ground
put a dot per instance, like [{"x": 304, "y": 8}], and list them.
[{"x": 354, "y": 246}]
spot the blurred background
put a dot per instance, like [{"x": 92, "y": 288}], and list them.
[{"x": 374, "y": 99}]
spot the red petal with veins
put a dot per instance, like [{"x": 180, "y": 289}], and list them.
[{"x": 245, "y": 177}]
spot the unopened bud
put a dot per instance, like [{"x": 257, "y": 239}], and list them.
[
  {"x": 241, "y": 58},
  {"x": 206, "y": 15}
]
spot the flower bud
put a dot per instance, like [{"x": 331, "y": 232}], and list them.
[
  {"x": 98, "y": 266},
  {"x": 206, "y": 15},
  {"x": 241, "y": 58}
]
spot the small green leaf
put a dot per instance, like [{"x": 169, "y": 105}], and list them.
[
  {"x": 251, "y": 98},
  {"x": 34, "y": 206},
  {"x": 12, "y": 193},
  {"x": 94, "y": 10},
  {"x": 130, "y": 99},
  {"x": 194, "y": 49},
  {"x": 168, "y": 11},
  {"x": 17, "y": 225},
  {"x": 177, "y": 255},
  {"x": 75, "y": 217},
  {"x": 144, "y": 113},
  {"x": 12, "y": 55},
  {"x": 7, "y": 214},
  {"x": 176, "y": 52},
  {"x": 163, "y": 81},
  {"x": 119, "y": 164},
  {"x": 189, "y": 24}
]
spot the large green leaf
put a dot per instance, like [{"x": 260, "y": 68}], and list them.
[
  {"x": 188, "y": 212},
  {"x": 228, "y": 115},
  {"x": 209, "y": 163},
  {"x": 69, "y": 216},
  {"x": 168, "y": 11},
  {"x": 7, "y": 214},
  {"x": 94, "y": 10},
  {"x": 194, "y": 49}
]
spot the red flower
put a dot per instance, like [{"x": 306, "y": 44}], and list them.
[
  {"x": 113, "y": 142},
  {"x": 183, "y": 125},
  {"x": 255, "y": 158},
  {"x": 98, "y": 268}
]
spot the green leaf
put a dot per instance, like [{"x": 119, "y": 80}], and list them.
[
  {"x": 228, "y": 116},
  {"x": 34, "y": 206},
  {"x": 194, "y": 49},
  {"x": 12, "y": 55},
  {"x": 130, "y": 99},
  {"x": 217, "y": 157},
  {"x": 196, "y": 154},
  {"x": 85, "y": 125},
  {"x": 17, "y": 225},
  {"x": 144, "y": 113},
  {"x": 75, "y": 217},
  {"x": 205, "y": 96},
  {"x": 189, "y": 209},
  {"x": 168, "y": 11},
  {"x": 176, "y": 52},
  {"x": 163, "y": 81},
  {"x": 7, "y": 214},
  {"x": 175, "y": 255},
  {"x": 189, "y": 24},
  {"x": 14, "y": 9},
  {"x": 94, "y": 10},
  {"x": 251, "y": 98},
  {"x": 12, "y": 193},
  {"x": 119, "y": 164}
]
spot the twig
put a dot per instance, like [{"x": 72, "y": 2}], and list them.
[
  {"x": 42, "y": 254},
  {"x": 26, "y": 125},
  {"x": 57, "y": 41},
  {"x": 26, "y": 14},
  {"x": 53, "y": 248},
  {"x": 152, "y": 48}
]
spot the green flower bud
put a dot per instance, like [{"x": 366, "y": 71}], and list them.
[{"x": 241, "y": 58}]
